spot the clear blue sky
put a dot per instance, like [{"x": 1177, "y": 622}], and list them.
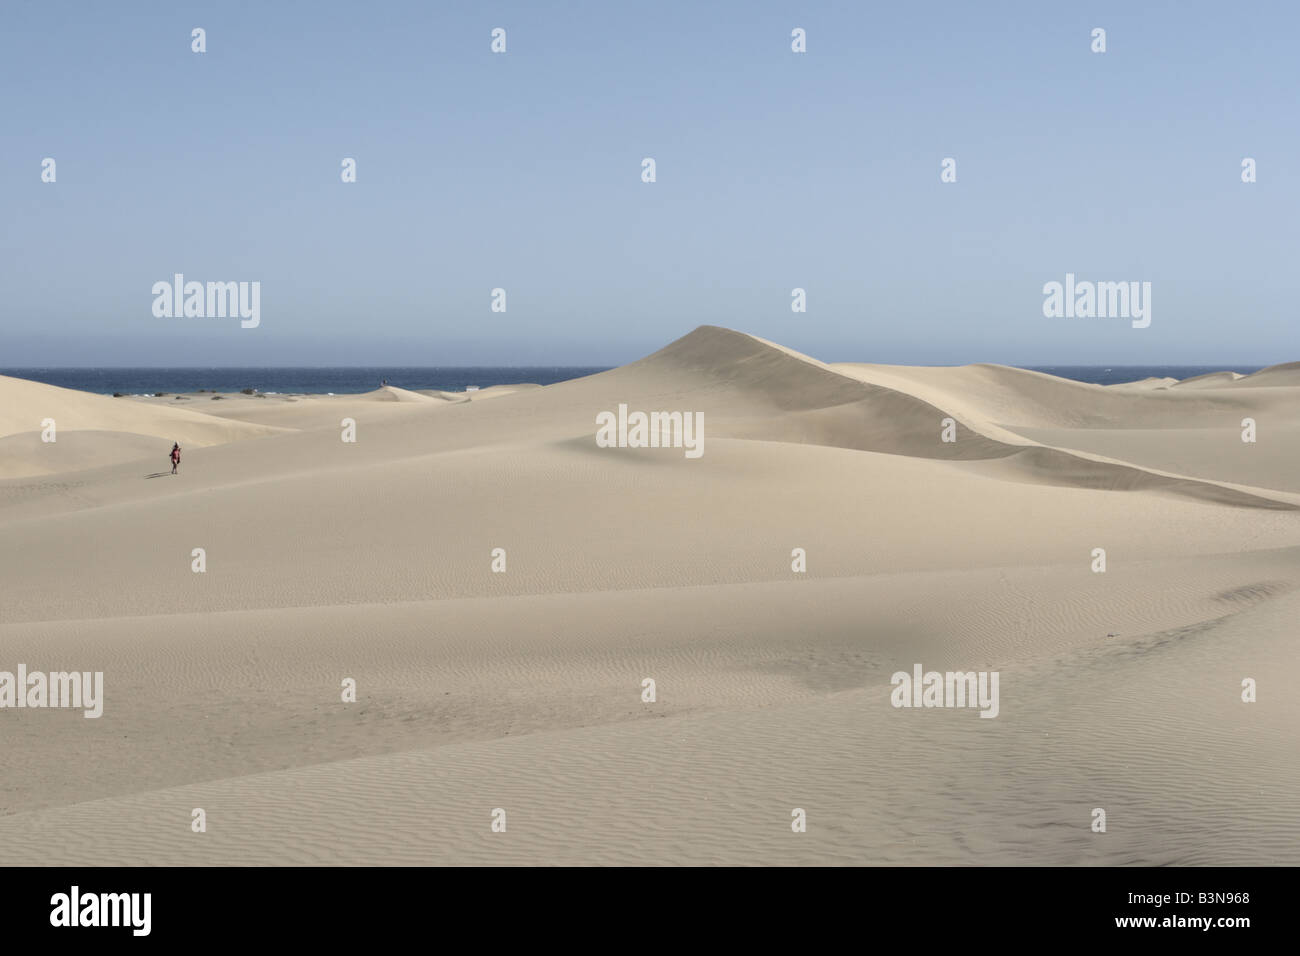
[{"x": 522, "y": 171}]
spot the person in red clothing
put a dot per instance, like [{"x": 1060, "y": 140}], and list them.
[{"x": 176, "y": 456}]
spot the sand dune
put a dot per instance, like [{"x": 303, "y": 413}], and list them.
[
  {"x": 479, "y": 394},
  {"x": 1150, "y": 382},
  {"x": 1209, "y": 380},
  {"x": 1286, "y": 375},
  {"x": 1018, "y": 398},
  {"x": 521, "y": 689},
  {"x": 81, "y": 418},
  {"x": 391, "y": 393},
  {"x": 24, "y": 454},
  {"x": 27, "y": 403}
]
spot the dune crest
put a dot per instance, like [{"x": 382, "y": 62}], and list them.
[{"x": 903, "y": 411}]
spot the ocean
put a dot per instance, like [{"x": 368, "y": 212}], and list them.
[{"x": 350, "y": 380}]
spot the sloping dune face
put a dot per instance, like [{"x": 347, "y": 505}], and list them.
[
  {"x": 981, "y": 412},
  {"x": 45, "y": 429},
  {"x": 1286, "y": 375},
  {"x": 1188, "y": 429},
  {"x": 499, "y": 587},
  {"x": 1209, "y": 380}
]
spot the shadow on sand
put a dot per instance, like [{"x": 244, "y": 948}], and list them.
[{"x": 158, "y": 474}]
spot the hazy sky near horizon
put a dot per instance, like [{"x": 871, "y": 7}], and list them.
[{"x": 522, "y": 171}]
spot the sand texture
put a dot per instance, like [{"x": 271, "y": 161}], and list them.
[{"x": 522, "y": 690}]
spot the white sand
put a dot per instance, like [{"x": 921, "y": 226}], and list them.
[{"x": 522, "y": 690}]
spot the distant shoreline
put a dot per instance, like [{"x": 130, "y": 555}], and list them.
[{"x": 295, "y": 381}]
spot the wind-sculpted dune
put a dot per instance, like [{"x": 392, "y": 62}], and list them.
[{"x": 651, "y": 613}]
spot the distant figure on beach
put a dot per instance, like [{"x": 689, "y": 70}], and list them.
[{"x": 176, "y": 456}]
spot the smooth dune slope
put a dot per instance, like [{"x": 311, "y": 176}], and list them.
[
  {"x": 514, "y": 678},
  {"x": 1285, "y": 375},
  {"x": 25, "y": 406},
  {"x": 1194, "y": 431}
]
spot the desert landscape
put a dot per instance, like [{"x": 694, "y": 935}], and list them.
[{"x": 500, "y": 587}]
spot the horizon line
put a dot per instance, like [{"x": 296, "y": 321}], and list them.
[{"x": 607, "y": 367}]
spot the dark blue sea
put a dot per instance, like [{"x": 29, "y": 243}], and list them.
[{"x": 341, "y": 381}]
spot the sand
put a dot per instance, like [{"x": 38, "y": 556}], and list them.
[{"x": 522, "y": 690}]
